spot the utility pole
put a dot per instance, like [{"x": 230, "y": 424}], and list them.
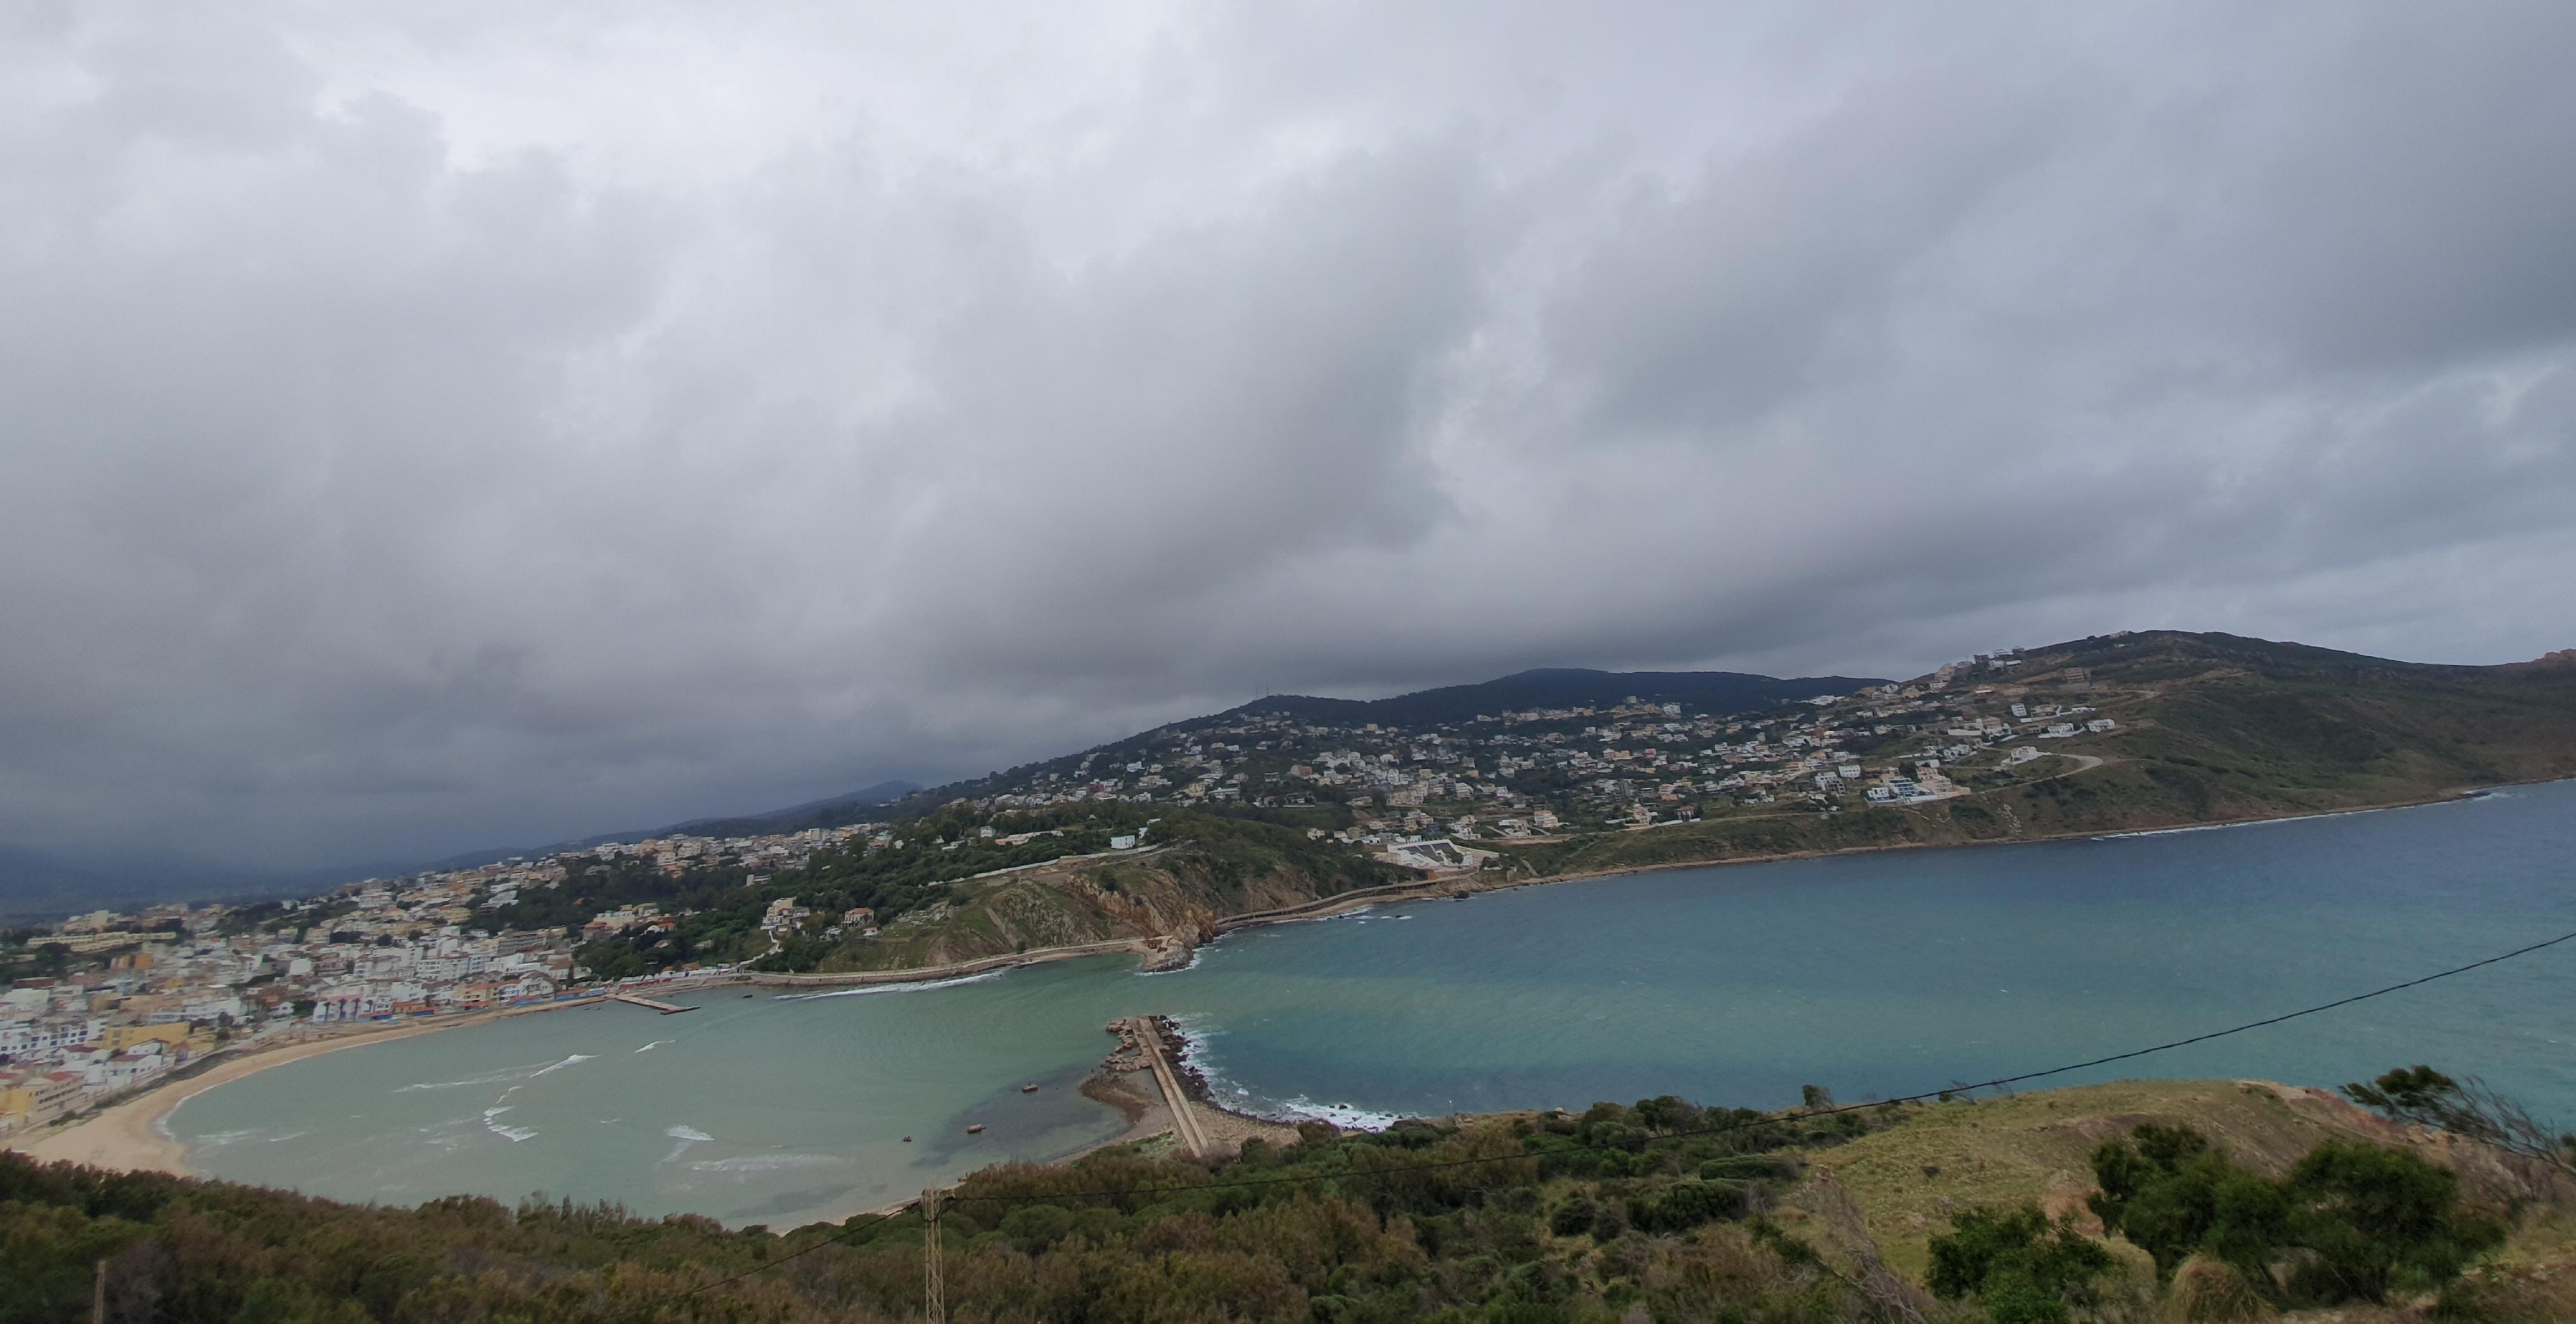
[
  {"x": 98, "y": 1295},
  {"x": 933, "y": 1308}
]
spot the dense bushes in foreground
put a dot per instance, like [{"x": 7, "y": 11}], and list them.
[
  {"x": 1421, "y": 1221},
  {"x": 1659, "y": 1211},
  {"x": 2349, "y": 1223}
]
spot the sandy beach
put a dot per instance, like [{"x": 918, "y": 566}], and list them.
[{"x": 126, "y": 1136}]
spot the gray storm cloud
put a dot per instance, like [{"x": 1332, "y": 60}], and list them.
[{"x": 425, "y": 426}]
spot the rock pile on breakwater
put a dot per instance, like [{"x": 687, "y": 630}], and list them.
[
  {"x": 1128, "y": 1056},
  {"x": 1193, "y": 1081}
]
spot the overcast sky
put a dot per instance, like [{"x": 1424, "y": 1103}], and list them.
[{"x": 425, "y": 426}]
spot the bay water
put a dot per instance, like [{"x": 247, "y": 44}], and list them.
[{"x": 1870, "y": 975}]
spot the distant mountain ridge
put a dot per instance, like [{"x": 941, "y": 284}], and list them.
[
  {"x": 794, "y": 818},
  {"x": 34, "y": 885},
  {"x": 32, "y": 881},
  {"x": 829, "y": 811},
  {"x": 1447, "y": 705},
  {"x": 1561, "y": 687}
]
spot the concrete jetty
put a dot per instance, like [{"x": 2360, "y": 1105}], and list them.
[
  {"x": 1185, "y": 1122},
  {"x": 666, "y": 1008}
]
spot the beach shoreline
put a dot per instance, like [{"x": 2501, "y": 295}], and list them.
[{"x": 128, "y": 1135}]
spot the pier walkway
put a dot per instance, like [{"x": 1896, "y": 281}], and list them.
[
  {"x": 1185, "y": 1121},
  {"x": 666, "y": 1008}
]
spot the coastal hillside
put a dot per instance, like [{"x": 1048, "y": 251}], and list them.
[
  {"x": 2069, "y": 1205},
  {"x": 1163, "y": 839},
  {"x": 2129, "y": 732},
  {"x": 2197, "y": 729},
  {"x": 961, "y": 884},
  {"x": 1560, "y": 687}
]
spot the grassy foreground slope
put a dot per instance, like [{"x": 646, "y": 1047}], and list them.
[
  {"x": 2035, "y": 1149},
  {"x": 1620, "y": 1213}
]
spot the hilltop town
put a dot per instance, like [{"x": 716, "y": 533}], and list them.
[{"x": 1173, "y": 833}]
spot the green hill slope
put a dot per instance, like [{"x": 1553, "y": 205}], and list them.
[
  {"x": 2194, "y": 729},
  {"x": 2209, "y": 729}
]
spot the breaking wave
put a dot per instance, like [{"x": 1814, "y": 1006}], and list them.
[
  {"x": 492, "y": 1123},
  {"x": 2170, "y": 832},
  {"x": 487, "y": 1078},
  {"x": 506, "y": 1074},
  {"x": 1192, "y": 1053},
  {"x": 2470, "y": 798},
  {"x": 1346, "y": 1116},
  {"x": 762, "y": 1162}
]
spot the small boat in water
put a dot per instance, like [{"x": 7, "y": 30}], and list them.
[
  {"x": 1028, "y": 1089},
  {"x": 976, "y": 1129}
]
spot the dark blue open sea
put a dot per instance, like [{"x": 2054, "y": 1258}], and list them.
[{"x": 1870, "y": 975}]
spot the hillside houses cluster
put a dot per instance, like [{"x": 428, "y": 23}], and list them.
[
  {"x": 1520, "y": 775},
  {"x": 176, "y": 993},
  {"x": 761, "y": 856},
  {"x": 1541, "y": 773}
]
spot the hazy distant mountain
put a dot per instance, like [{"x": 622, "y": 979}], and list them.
[
  {"x": 33, "y": 883},
  {"x": 827, "y": 812},
  {"x": 830, "y": 811},
  {"x": 1548, "y": 687},
  {"x": 35, "y": 886},
  {"x": 38, "y": 886},
  {"x": 1563, "y": 687}
]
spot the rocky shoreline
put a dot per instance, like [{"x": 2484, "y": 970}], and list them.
[
  {"x": 1194, "y": 1081},
  {"x": 1124, "y": 1081}
]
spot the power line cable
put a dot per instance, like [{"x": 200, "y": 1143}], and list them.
[
  {"x": 1738, "y": 1124},
  {"x": 1747, "y": 1123}
]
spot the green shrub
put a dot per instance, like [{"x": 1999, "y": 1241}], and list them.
[
  {"x": 1687, "y": 1204},
  {"x": 2351, "y": 1221},
  {"x": 2022, "y": 1267}
]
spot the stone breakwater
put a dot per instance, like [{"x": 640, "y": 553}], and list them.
[{"x": 1194, "y": 1082}]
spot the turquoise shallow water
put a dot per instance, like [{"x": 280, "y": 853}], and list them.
[{"x": 1870, "y": 975}]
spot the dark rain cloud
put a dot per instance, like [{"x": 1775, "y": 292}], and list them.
[{"x": 426, "y": 426}]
